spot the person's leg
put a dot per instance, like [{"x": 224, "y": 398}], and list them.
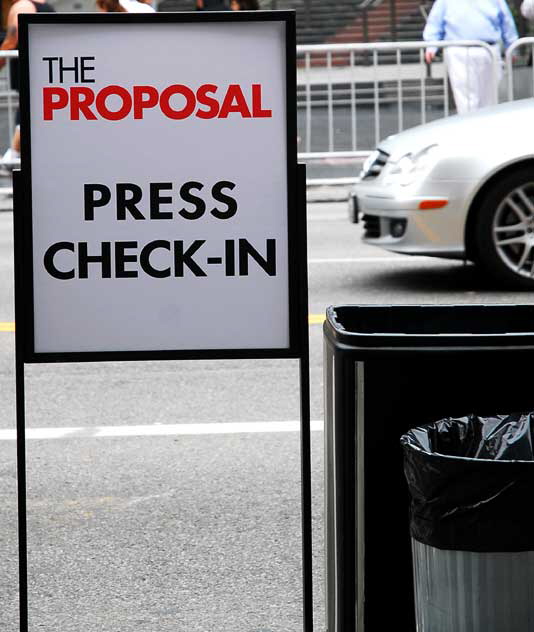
[
  {"x": 12, "y": 155},
  {"x": 486, "y": 79},
  {"x": 472, "y": 78},
  {"x": 10, "y": 159},
  {"x": 13, "y": 152},
  {"x": 457, "y": 68},
  {"x": 15, "y": 141}
]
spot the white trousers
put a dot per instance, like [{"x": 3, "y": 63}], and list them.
[{"x": 471, "y": 75}]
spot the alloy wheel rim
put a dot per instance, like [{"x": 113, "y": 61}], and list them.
[{"x": 513, "y": 230}]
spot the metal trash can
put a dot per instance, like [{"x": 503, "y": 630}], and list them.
[
  {"x": 472, "y": 525},
  {"x": 388, "y": 369}
]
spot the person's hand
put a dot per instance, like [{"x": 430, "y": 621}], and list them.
[{"x": 429, "y": 56}]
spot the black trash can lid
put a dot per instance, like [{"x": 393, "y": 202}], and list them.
[{"x": 427, "y": 326}]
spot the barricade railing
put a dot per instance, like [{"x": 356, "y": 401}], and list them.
[
  {"x": 8, "y": 107},
  {"x": 521, "y": 50},
  {"x": 351, "y": 96}
]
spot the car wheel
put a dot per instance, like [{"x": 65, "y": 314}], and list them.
[
  {"x": 354, "y": 209},
  {"x": 504, "y": 231}
]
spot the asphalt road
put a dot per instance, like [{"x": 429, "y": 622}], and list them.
[{"x": 184, "y": 532}]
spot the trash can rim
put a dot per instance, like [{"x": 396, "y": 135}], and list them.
[
  {"x": 440, "y": 455},
  {"x": 389, "y": 333}
]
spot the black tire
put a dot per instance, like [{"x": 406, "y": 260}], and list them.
[
  {"x": 508, "y": 203},
  {"x": 354, "y": 210}
]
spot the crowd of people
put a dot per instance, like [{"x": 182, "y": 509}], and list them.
[
  {"x": 220, "y": 5},
  {"x": 144, "y": 6},
  {"x": 124, "y": 6}
]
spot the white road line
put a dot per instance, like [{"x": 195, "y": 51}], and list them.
[
  {"x": 160, "y": 430},
  {"x": 399, "y": 259}
]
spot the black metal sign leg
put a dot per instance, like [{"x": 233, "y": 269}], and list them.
[
  {"x": 306, "y": 493},
  {"x": 18, "y": 203},
  {"x": 21, "y": 483},
  {"x": 305, "y": 443}
]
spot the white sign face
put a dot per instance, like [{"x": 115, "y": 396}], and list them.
[{"x": 159, "y": 186}]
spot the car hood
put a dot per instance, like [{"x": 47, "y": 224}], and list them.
[{"x": 489, "y": 126}]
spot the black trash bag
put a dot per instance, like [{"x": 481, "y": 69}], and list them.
[{"x": 471, "y": 482}]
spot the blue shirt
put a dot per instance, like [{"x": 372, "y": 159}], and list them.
[{"x": 486, "y": 20}]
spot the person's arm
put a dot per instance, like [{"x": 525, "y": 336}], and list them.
[
  {"x": 435, "y": 28},
  {"x": 200, "y": 5},
  {"x": 508, "y": 28},
  {"x": 11, "y": 39}
]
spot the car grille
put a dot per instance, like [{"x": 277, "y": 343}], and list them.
[
  {"x": 371, "y": 226},
  {"x": 373, "y": 165}
]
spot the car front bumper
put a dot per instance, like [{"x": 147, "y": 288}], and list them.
[{"x": 393, "y": 219}]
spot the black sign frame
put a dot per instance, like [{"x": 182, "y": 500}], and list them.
[
  {"x": 298, "y": 347},
  {"x": 25, "y": 261}
]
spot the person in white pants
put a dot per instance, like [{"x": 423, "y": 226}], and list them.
[
  {"x": 472, "y": 72},
  {"x": 471, "y": 69}
]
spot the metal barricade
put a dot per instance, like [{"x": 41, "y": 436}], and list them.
[
  {"x": 522, "y": 51},
  {"x": 350, "y": 96},
  {"x": 8, "y": 106}
]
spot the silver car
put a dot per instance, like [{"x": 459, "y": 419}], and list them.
[{"x": 461, "y": 188}]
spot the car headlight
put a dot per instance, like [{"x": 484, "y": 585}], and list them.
[
  {"x": 369, "y": 162},
  {"x": 411, "y": 166}
]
